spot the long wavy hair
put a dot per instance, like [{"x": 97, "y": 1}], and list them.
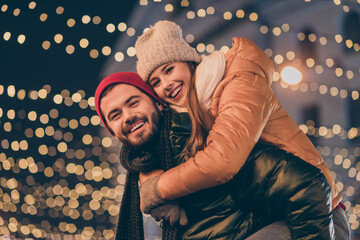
[{"x": 201, "y": 118}]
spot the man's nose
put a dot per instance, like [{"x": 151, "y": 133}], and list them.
[{"x": 129, "y": 116}]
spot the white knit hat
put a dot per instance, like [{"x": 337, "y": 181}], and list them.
[{"x": 161, "y": 44}]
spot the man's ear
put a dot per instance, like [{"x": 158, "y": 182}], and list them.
[{"x": 160, "y": 107}]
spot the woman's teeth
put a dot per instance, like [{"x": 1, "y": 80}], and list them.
[
  {"x": 176, "y": 91},
  {"x": 136, "y": 126}
]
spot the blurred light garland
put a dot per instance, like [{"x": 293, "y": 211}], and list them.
[
  {"x": 74, "y": 175},
  {"x": 122, "y": 27},
  {"x": 70, "y": 202}
]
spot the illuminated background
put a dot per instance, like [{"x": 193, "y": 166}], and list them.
[{"x": 59, "y": 171}]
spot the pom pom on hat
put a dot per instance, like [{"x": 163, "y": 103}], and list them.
[{"x": 161, "y": 44}]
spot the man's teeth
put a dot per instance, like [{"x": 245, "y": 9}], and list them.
[
  {"x": 137, "y": 126},
  {"x": 176, "y": 91}
]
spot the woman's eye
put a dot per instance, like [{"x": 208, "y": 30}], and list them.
[
  {"x": 155, "y": 83},
  {"x": 169, "y": 70}
]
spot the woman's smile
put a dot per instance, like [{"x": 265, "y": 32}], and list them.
[{"x": 176, "y": 91}]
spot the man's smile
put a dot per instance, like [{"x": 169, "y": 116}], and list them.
[{"x": 136, "y": 126}]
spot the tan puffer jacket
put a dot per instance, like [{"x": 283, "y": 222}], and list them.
[{"x": 246, "y": 109}]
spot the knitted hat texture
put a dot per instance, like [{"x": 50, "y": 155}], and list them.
[
  {"x": 161, "y": 44},
  {"x": 129, "y": 78}
]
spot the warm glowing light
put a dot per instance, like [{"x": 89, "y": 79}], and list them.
[
  {"x": 7, "y": 36},
  {"x": 349, "y": 74},
  {"x": 169, "y": 8},
  {"x": 184, "y": 3},
  {"x": 291, "y": 75},
  {"x": 43, "y": 17},
  {"x": 277, "y": 31},
  {"x": 310, "y": 62},
  {"x": 46, "y": 45},
  {"x": 119, "y": 56},
  {"x": 58, "y": 38},
  {"x": 200, "y": 47},
  {"x": 329, "y": 62},
  {"x": 338, "y": 38},
  {"x": 94, "y": 53},
  {"x": 70, "y": 22},
  {"x": 355, "y": 95},
  {"x": 290, "y": 55},
  {"x": 16, "y": 12},
  {"x": 278, "y": 59},
  {"x": 143, "y": 2},
  {"x": 312, "y": 37},
  {"x": 323, "y": 41},
  {"x": 339, "y": 72},
  {"x": 319, "y": 69},
  {"x": 59, "y": 10},
  {"x": 190, "y": 15},
  {"x": 122, "y": 27},
  {"x": 285, "y": 27},
  {"x": 110, "y": 28},
  {"x": 85, "y": 19},
  {"x": 190, "y": 38},
  {"x": 21, "y": 38},
  {"x": 106, "y": 50},
  {"x": 227, "y": 15},
  {"x": 70, "y": 49},
  {"x": 253, "y": 17},
  {"x": 301, "y": 36},
  {"x": 224, "y": 49},
  {"x": 96, "y": 20},
  {"x": 130, "y": 31},
  {"x": 201, "y": 12},
  {"x": 84, "y": 43},
  {"x": 210, "y": 10},
  {"x": 210, "y": 48},
  {"x": 264, "y": 29},
  {"x": 131, "y": 52},
  {"x": 240, "y": 13},
  {"x": 32, "y": 5}
]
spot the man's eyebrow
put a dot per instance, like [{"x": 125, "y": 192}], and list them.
[
  {"x": 131, "y": 98},
  {"x": 126, "y": 102}
]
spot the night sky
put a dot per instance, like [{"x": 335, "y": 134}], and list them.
[{"x": 29, "y": 66}]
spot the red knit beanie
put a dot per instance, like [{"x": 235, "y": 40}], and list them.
[{"x": 129, "y": 78}]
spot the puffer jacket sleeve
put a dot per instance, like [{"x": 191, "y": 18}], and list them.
[
  {"x": 274, "y": 183},
  {"x": 243, "y": 110},
  {"x": 303, "y": 192}
]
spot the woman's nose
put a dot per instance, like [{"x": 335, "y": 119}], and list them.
[{"x": 167, "y": 83}]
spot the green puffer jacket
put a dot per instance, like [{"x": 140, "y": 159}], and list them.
[{"x": 272, "y": 185}]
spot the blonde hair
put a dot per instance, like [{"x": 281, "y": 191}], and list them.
[{"x": 201, "y": 119}]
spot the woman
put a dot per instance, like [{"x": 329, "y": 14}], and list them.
[
  {"x": 243, "y": 110},
  {"x": 271, "y": 185}
]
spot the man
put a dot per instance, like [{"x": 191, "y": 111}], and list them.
[
  {"x": 273, "y": 185},
  {"x": 130, "y": 110}
]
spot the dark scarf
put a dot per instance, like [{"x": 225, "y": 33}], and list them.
[{"x": 130, "y": 224}]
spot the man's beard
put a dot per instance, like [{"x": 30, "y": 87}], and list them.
[{"x": 146, "y": 143}]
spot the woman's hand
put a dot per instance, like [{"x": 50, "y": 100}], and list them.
[
  {"x": 150, "y": 196},
  {"x": 171, "y": 212}
]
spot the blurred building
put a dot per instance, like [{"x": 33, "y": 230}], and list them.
[{"x": 320, "y": 39}]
